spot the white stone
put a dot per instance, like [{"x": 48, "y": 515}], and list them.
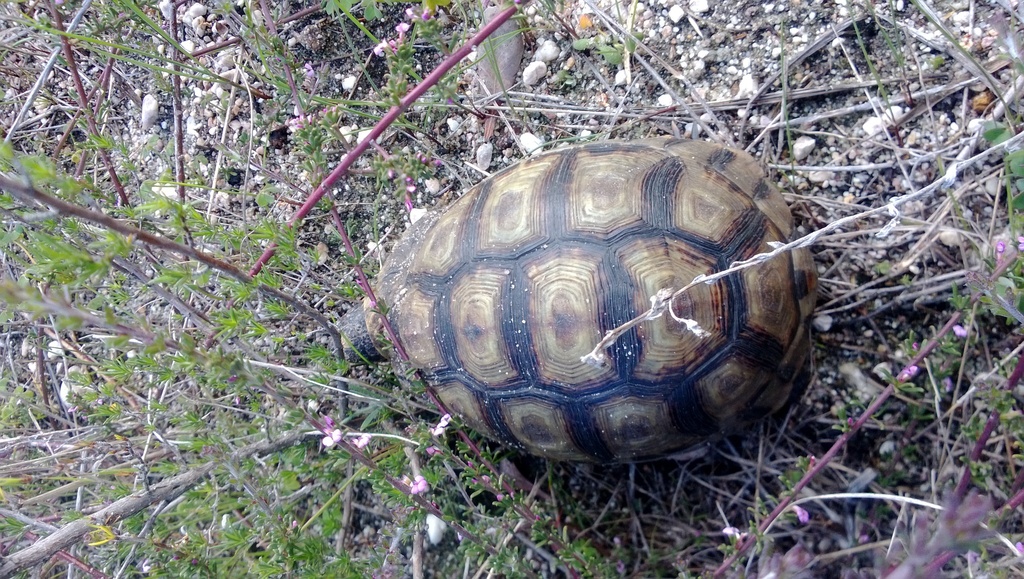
[
  {"x": 54, "y": 349},
  {"x": 534, "y": 73},
  {"x": 887, "y": 447},
  {"x": 435, "y": 529},
  {"x": 416, "y": 214},
  {"x": 166, "y": 9},
  {"x": 822, "y": 323},
  {"x": 195, "y": 11},
  {"x": 150, "y": 109},
  {"x": 620, "y": 77},
  {"x": 484, "y": 153},
  {"x": 453, "y": 124},
  {"x": 363, "y": 135},
  {"x": 531, "y": 143},
  {"x": 169, "y": 191},
  {"x": 666, "y": 100},
  {"x": 188, "y": 46},
  {"x": 348, "y": 83},
  {"x": 819, "y": 176},
  {"x": 699, "y": 6},
  {"x": 547, "y": 52},
  {"x": 802, "y": 147},
  {"x": 747, "y": 88},
  {"x": 676, "y": 12},
  {"x": 950, "y": 238},
  {"x": 873, "y": 126}
]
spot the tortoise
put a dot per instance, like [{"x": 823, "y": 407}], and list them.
[{"x": 497, "y": 299}]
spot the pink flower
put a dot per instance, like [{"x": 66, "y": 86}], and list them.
[
  {"x": 1000, "y": 247},
  {"x": 1020, "y": 243},
  {"x": 402, "y": 28},
  {"x": 333, "y": 437},
  {"x": 433, "y": 450},
  {"x": 361, "y": 441},
  {"x": 309, "y": 70},
  {"x": 908, "y": 373},
  {"x": 959, "y": 331},
  {"x": 419, "y": 486},
  {"x": 801, "y": 514},
  {"x": 381, "y": 47}
]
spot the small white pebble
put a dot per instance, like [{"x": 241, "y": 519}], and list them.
[
  {"x": 620, "y": 77},
  {"x": 676, "y": 12},
  {"x": 363, "y": 135},
  {"x": 802, "y": 147},
  {"x": 747, "y": 88},
  {"x": 188, "y": 46},
  {"x": 873, "y": 126},
  {"x": 822, "y": 323},
  {"x": 416, "y": 214},
  {"x": 950, "y": 238},
  {"x": 665, "y": 100},
  {"x": 819, "y": 176},
  {"x": 453, "y": 124},
  {"x": 484, "y": 154},
  {"x": 699, "y": 6},
  {"x": 534, "y": 73},
  {"x": 54, "y": 349},
  {"x": 166, "y": 9},
  {"x": 531, "y": 143},
  {"x": 547, "y": 52},
  {"x": 150, "y": 109},
  {"x": 195, "y": 11},
  {"x": 348, "y": 83},
  {"x": 887, "y": 448},
  {"x": 435, "y": 529},
  {"x": 169, "y": 191}
]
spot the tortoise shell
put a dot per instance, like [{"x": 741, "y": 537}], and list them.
[{"x": 497, "y": 299}]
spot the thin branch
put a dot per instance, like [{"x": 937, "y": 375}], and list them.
[{"x": 27, "y": 193}]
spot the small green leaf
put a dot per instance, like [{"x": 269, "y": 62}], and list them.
[
  {"x": 264, "y": 199},
  {"x": 582, "y": 43},
  {"x": 610, "y": 54},
  {"x": 996, "y": 133}
]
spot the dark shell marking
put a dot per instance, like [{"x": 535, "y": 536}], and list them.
[{"x": 497, "y": 298}]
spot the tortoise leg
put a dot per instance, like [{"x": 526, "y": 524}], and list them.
[{"x": 358, "y": 342}]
